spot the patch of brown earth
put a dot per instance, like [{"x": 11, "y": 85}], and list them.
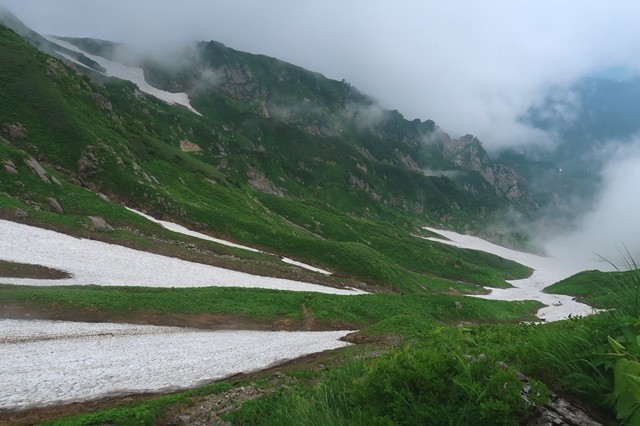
[
  {"x": 25, "y": 270},
  {"x": 309, "y": 318},
  {"x": 188, "y": 146},
  {"x": 210, "y": 409}
]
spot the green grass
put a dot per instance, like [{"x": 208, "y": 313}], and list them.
[
  {"x": 144, "y": 413},
  {"x": 362, "y": 232},
  {"x": 603, "y": 289},
  {"x": 450, "y": 375},
  {"x": 330, "y": 311}
]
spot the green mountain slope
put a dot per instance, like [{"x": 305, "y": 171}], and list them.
[
  {"x": 299, "y": 165},
  {"x": 234, "y": 173}
]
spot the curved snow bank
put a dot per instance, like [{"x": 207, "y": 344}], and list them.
[
  {"x": 547, "y": 271},
  {"x": 124, "y": 72},
  {"x": 305, "y": 266},
  {"x": 95, "y": 262},
  {"x": 185, "y": 231},
  {"x": 54, "y": 362}
]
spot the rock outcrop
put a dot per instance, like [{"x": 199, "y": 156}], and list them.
[
  {"x": 99, "y": 224},
  {"x": 188, "y": 146},
  {"x": 259, "y": 182},
  {"x": 37, "y": 169},
  {"x": 55, "y": 205},
  {"x": 10, "y": 167}
]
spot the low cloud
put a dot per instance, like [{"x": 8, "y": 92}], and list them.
[
  {"x": 612, "y": 224},
  {"x": 208, "y": 79},
  {"x": 472, "y": 67},
  {"x": 364, "y": 116},
  {"x": 452, "y": 174}
]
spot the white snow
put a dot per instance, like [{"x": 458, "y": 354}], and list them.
[
  {"x": 304, "y": 265},
  {"x": 95, "y": 262},
  {"x": 124, "y": 72},
  {"x": 185, "y": 231},
  {"x": 547, "y": 271},
  {"x": 54, "y": 362},
  {"x": 182, "y": 230}
]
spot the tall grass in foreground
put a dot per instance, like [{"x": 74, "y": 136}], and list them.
[
  {"x": 624, "y": 355},
  {"x": 442, "y": 374},
  {"x": 624, "y": 287},
  {"x": 412, "y": 385},
  {"x": 453, "y": 375}
]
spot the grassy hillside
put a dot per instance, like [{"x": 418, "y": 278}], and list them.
[
  {"x": 299, "y": 165},
  {"x": 603, "y": 289},
  {"x": 109, "y": 139}
]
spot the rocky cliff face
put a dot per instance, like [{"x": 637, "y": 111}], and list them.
[
  {"x": 467, "y": 154},
  {"x": 264, "y": 118}
]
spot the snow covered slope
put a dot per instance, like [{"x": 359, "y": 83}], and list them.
[
  {"x": 547, "y": 271},
  {"x": 95, "y": 262},
  {"x": 124, "y": 72},
  {"x": 55, "y": 362}
]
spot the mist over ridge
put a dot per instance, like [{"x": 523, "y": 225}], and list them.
[{"x": 471, "y": 68}]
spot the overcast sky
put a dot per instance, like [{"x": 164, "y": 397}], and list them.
[{"x": 472, "y": 66}]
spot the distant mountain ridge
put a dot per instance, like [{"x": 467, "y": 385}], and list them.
[
  {"x": 322, "y": 108},
  {"x": 590, "y": 120},
  {"x": 287, "y": 132}
]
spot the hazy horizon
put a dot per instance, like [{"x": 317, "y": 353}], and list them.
[{"x": 471, "y": 67}]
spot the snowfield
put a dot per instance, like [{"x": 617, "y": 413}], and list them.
[
  {"x": 305, "y": 266},
  {"x": 95, "y": 262},
  {"x": 547, "y": 271},
  {"x": 185, "y": 231},
  {"x": 124, "y": 72},
  {"x": 55, "y": 362}
]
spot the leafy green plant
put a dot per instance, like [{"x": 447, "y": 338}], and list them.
[{"x": 626, "y": 389}]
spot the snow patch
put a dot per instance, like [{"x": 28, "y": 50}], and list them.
[
  {"x": 95, "y": 262},
  {"x": 547, "y": 271},
  {"x": 182, "y": 230},
  {"x": 304, "y": 265},
  {"x": 185, "y": 231},
  {"x": 56, "y": 362},
  {"x": 124, "y": 72}
]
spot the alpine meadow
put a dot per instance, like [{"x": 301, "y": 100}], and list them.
[{"x": 200, "y": 235}]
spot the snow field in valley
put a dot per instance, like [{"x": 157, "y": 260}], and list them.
[
  {"x": 185, "y": 231},
  {"x": 547, "y": 271},
  {"x": 95, "y": 262},
  {"x": 52, "y": 362},
  {"x": 56, "y": 362}
]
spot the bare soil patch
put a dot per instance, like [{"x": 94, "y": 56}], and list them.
[{"x": 25, "y": 270}]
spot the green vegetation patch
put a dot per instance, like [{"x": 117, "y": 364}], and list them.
[
  {"x": 603, "y": 289},
  {"x": 327, "y": 311}
]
